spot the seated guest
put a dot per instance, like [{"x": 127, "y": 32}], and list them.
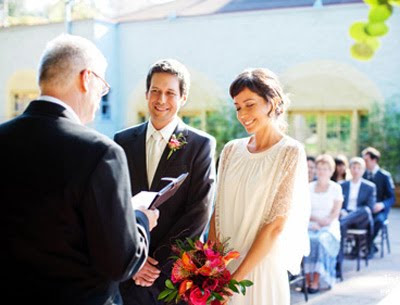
[
  {"x": 385, "y": 197},
  {"x": 359, "y": 199},
  {"x": 311, "y": 168},
  {"x": 341, "y": 172},
  {"x": 324, "y": 230}
]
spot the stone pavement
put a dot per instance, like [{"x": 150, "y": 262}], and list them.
[{"x": 379, "y": 283}]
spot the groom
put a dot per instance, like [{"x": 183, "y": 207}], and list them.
[{"x": 148, "y": 148}]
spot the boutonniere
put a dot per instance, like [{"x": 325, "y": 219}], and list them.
[{"x": 176, "y": 143}]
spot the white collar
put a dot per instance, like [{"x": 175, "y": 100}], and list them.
[
  {"x": 55, "y": 100},
  {"x": 356, "y": 184},
  {"x": 166, "y": 132},
  {"x": 375, "y": 170}
]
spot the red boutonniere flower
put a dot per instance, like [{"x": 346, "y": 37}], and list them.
[{"x": 175, "y": 143}]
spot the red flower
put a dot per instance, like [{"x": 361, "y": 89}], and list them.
[
  {"x": 210, "y": 284},
  {"x": 179, "y": 272},
  {"x": 199, "y": 298},
  {"x": 175, "y": 143},
  {"x": 215, "y": 302}
]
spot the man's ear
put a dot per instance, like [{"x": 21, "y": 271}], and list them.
[
  {"x": 183, "y": 100},
  {"x": 84, "y": 80}
]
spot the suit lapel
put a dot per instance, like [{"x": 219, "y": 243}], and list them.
[
  {"x": 346, "y": 192},
  {"x": 164, "y": 163},
  {"x": 138, "y": 147},
  {"x": 361, "y": 192}
]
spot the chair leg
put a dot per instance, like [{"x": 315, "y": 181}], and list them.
[
  {"x": 387, "y": 239},
  {"x": 382, "y": 241},
  {"x": 358, "y": 252}
]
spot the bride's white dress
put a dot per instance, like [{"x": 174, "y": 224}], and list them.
[{"x": 253, "y": 189}]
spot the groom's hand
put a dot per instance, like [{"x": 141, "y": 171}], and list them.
[{"x": 146, "y": 276}]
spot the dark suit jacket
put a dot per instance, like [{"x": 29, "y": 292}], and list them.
[
  {"x": 187, "y": 213},
  {"x": 366, "y": 195},
  {"x": 69, "y": 234},
  {"x": 384, "y": 188}
]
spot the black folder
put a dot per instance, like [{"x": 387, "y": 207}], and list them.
[{"x": 168, "y": 191}]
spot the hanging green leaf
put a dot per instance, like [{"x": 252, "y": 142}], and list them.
[
  {"x": 373, "y": 42},
  {"x": 357, "y": 31},
  {"x": 372, "y": 2},
  {"x": 380, "y": 13},
  {"x": 376, "y": 29},
  {"x": 362, "y": 51},
  {"x": 394, "y": 2}
]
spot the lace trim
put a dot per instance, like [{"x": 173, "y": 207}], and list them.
[
  {"x": 225, "y": 154},
  {"x": 283, "y": 195}
]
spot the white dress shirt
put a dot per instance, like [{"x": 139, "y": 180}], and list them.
[
  {"x": 353, "y": 195},
  {"x": 154, "y": 151},
  {"x": 54, "y": 100}
]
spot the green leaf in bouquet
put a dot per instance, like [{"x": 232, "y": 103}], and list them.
[
  {"x": 180, "y": 244},
  {"x": 171, "y": 296},
  {"x": 163, "y": 294},
  {"x": 169, "y": 284},
  {"x": 190, "y": 242},
  {"x": 380, "y": 13},
  {"x": 174, "y": 257},
  {"x": 394, "y": 2},
  {"x": 242, "y": 288},
  {"x": 217, "y": 296},
  {"x": 246, "y": 283},
  {"x": 233, "y": 287}
]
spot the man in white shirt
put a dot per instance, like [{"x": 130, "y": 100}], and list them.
[
  {"x": 164, "y": 146},
  {"x": 359, "y": 198}
]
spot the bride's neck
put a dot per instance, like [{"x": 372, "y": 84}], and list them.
[{"x": 264, "y": 139}]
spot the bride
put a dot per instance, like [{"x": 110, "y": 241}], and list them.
[{"x": 262, "y": 202}]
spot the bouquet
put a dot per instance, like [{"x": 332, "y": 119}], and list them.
[{"x": 199, "y": 274}]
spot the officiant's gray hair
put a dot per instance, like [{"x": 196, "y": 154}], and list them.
[{"x": 67, "y": 55}]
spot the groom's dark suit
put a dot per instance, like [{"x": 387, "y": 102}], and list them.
[
  {"x": 187, "y": 213},
  {"x": 68, "y": 232}
]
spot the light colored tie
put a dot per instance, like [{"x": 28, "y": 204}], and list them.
[{"x": 154, "y": 155}]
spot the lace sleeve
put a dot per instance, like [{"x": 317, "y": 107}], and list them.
[
  {"x": 284, "y": 192},
  {"x": 223, "y": 161},
  {"x": 292, "y": 200}
]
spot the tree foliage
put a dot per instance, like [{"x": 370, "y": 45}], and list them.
[
  {"x": 224, "y": 126},
  {"x": 381, "y": 130},
  {"x": 366, "y": 34}
]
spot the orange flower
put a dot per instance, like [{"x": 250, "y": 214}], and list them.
[
  {"x": 187, "y": 262},
  {"x": 230, "y": 256},
  {"x": 185, "y": 285}
]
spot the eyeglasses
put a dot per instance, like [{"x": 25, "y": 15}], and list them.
[{"x": 106, "y": 87}]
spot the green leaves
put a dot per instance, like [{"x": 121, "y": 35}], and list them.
[
  {"x": 367, "y": 34},
  {"x": 169, "y": 293},
  {"x": 233, "y": 285},
  {"x": 380, "y": 13}
]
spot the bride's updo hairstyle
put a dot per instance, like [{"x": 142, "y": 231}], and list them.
[{"x": 264, "y": 83}]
